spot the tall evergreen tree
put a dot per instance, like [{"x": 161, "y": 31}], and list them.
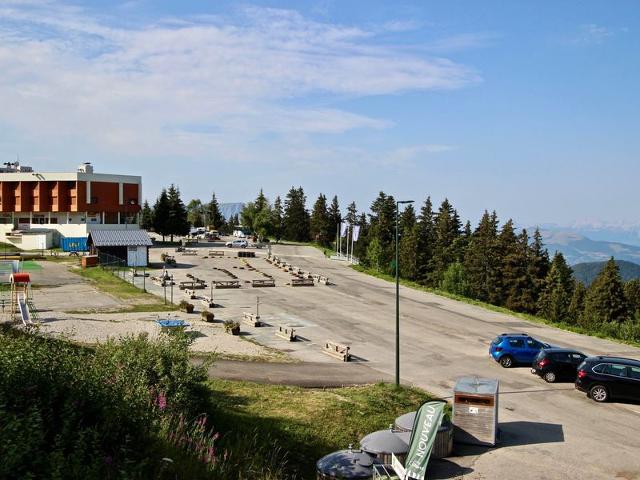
[
  {"x": 146, "y": 217},
  {"x": 447, "y": 230},
  {"x": 277, "y": 219},
  {"x": 360, "y": 246},
  {"x": 425, "y": 242},
  {"x": 320, "y": 222},
  {"x": 482, "y": 262},
  {"x": 382, "y": 227},
  {"x": 261, "y": 202},
  {"x": 539, "y": 263},
  {"x": 213, "y": 213},
  {"x": 335, "y": 218},
  {"x": 555, "y": 298},
  {"x": 296, "y": 216},
  {"x": 177, "y": 222},
  {"x": 161, "y": 214},
  {"x": 605, "y": 301},
  {"x": 632, "y": 292},
  {"x": 576, "y": 306},
  {"x": 517, "y": 285},
  {"x": 408, "y": 243}
]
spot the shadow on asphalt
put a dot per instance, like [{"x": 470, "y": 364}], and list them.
[
  {"x": 513, "y": 434},
  {"x": 440, "y": 469}
]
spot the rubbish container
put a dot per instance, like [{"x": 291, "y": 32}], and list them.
[{"x": 475, "y": 411}]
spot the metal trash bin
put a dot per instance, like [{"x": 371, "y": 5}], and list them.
[
  {"x": 383, "y": 443},
  {"x": 443, "y": 443},
  {"x": 475, "y": 411},
  {"x": 346, "y": 464}
]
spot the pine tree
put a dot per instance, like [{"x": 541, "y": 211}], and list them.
[
  {"x": 482, "y": 260},
  {"x": 335, "y": 218},
  {"x": 146, "y": 217},
  {"x": 576, "y": 306},
  {"x": 177, "y": 223},
  {"x": 320, "y": 221},
  {"x": 517, "y": 285},
  {"x": 360, "y": 246},
  {"x": 408, "y": 243},
  {"x": 161, "y": 214},
  {"x": 261, "y": 202},
  {"x": 425, "y": 243},
  {"x": 539, "y": 263},
  {"x": 296, "y": 216},
  {"x": 213, "y": 214},
  {"x": 382, "y": 228},
  {"x": 555, "y": 298},
  {"x": 632, "y": 292},
  {"x": 605, "y": 301},
  {"x": 277, "y": 219},
  {"x": 447, "y": 230}
]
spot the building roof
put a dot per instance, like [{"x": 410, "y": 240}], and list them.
[{"x": 119, "y": 238}]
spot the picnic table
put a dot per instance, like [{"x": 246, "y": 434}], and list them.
[{"x": 172, "y": 325}]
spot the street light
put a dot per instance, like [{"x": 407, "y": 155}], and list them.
[{"x": 398, "y": 297}]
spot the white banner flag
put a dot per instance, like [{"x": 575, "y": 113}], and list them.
[
  {"x": 356, "y": 232},
  {"x": 343, "y": 229}
]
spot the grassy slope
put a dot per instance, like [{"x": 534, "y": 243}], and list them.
[
  {"x": 494, "y": 308},
  {"x": 138, "y": 300},
  {"x": 309, "y": 423}
]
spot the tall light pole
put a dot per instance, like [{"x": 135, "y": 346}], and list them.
[{"x": 398, "y": 295}]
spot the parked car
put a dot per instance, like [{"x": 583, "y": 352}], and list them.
[
  {"x": 237, "y": 244},
  {"x": 510, "y": 349},
  {"x": 553, "y": 364},
  {"x": 606, "y": 378}
]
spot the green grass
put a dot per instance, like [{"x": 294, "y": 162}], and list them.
[
  {"x": 138, "y": 300},
  {"x": 8, "y": 247},
  {"x": 309, "y": 423},
  {"x": 494, "y": 308}
]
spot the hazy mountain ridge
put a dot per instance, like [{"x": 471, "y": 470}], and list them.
[
  {"x": 580, "y": 249},
  {"x": 627, "y": 233},
  {"x": 229, "y": 210},
  {"x": 587, "y": 272}
]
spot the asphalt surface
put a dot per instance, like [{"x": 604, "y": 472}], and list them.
[{"x": 548, "y": 431}]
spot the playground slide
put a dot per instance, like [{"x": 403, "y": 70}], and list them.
[{"x": 24, "y": 311}]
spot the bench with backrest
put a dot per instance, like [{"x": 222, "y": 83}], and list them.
[
  {"x": 216, "y": 253},
  {"x": 287, "y": 333},
  {"x": 263, "y": 283},
  {"x": 302, "y": 282},
  {"x": 337, "y": 350},
  {"x": 227, "y": 284}
]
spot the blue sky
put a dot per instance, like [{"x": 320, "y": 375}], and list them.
[{"x": 529, "y": 108}]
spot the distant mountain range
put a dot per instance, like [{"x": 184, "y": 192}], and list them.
[
  {"x": 229, "y": 210},
  {"x": 587, "y": 272},
  {"x": 577, "y": 248},
  {"x": 628, "y": 233}
]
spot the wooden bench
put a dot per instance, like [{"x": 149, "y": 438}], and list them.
[
  {"x": 227, "y": 284},
  {"x": 263, "y": 283},
  {"x": 251, "y": 319},
  {"x": 336, "y": 350},
  {"x": 216, "y": 253},
  {"x": 193, "y": 285},
  {"x": 287, "y": 333},
  {"x": 302, "y": 282},
  {"x": 190, "y": 251}
]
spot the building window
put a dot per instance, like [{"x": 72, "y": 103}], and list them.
[{"x": 39, "y": 219}]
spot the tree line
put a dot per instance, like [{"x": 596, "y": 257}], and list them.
[{"x": 492, "y": 262}]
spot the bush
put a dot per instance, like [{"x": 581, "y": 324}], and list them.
[
  {"x": 207, "y": 316},
  {"x": 186, "y": 306},
  {"x": 70, "y": 412},
  {"x": 231, "y": 326}
]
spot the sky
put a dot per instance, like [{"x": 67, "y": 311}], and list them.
[{"x": 528, "y": 108}]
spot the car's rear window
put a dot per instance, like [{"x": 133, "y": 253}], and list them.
[
  {"x": 541, "y": 355},
  {"x": 497, "y": 340}
]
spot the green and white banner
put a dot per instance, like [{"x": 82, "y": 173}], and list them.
[{"x": 425, "y": 427}]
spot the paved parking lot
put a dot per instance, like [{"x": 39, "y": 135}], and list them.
[{"x": 548, "y": 430}]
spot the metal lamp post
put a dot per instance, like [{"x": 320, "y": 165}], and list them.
[{"x": 398, "y": 295}]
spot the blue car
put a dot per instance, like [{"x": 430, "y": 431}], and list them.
[{"x": 510, "y": 349}]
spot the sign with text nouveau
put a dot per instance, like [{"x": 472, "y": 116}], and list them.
[{"x": 425, "y": 428}]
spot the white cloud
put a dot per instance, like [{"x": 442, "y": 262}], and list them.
[
  {"x": 196, "y": 85},
  {"x": 592, "y": 34}
]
